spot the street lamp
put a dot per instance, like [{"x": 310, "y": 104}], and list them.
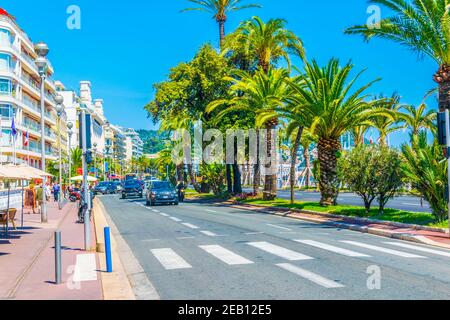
[
  {"x": 41, "y": 62},
  {"x": 70, "y": 133},
  {"x": 95, "y": 158},
  {"x": 59, "y": 111}
]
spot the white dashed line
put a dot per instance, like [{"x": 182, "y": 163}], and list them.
[
  {"x": 278, "y": 227},
  {"x": 209, "y": 233},
  {"x": 175, "y": 219},
  {"x": 190, "y": 226}
]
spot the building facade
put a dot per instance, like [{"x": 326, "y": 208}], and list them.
[
  {"x": 20, "y": 99},
  {"x": 134, "y": 145}
]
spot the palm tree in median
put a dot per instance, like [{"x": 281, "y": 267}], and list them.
[
  {"x": 220, "y": 9},
  {"x": 423, "y": 26},
  {"x": 417, "y": 119},
  {"x": 261, "y": 94},
  {"x": 389, "y": 123},
  {"x": 335, "y": 107}
]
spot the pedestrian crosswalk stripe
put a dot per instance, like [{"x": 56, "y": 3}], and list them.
[
  {"x": 225, "y": 255},
  {"x": 209, "y": 233},
  {"x": 317, "y": 279},
  {"x": 170, "y": 260},
  {"x": 175, "y": 219},
  {"x": 190, "y": 226},
  {"x": 422, "y": 249},
  {"x": 280, "y": 251},
  {"x": 334, "y": 249},
  {"x": 279, "y": 227},
  {"x": 385, "y": 250}
]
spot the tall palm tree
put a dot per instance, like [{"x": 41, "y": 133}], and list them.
[
  {"x": 220, "y": 9},
  {"x": 267, "y": 43},
  {"x": 359, "y": 134},
  {"x": 335, "y": 107},
  {"x": 261, "y": 93},
  {"x": 389, "y": 123},
  {"x": 423, "y": 26},
  {"x": 417, "y": 119}
]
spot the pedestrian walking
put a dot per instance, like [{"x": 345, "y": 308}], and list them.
[
  {"x": 47, "y": 191},
  {"x": 56, "y": 191},
  {"x": 30, "y": 198},
  {"x": 39, "y": 197}
]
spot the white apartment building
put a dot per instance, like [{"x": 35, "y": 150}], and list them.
[
  {"x": 20, "y": 98},
  {"x": 134, "y": 145},
  {"x": 72, "y": 102}
]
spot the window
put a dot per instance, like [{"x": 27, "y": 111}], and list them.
[
  {"x": 5, "y": 37},
  {"x": 6, "y": 111},
  {"x": 5, "y": 86},
  {"x": 5, "y": 138},
  {"x": 5, "y": 62}
]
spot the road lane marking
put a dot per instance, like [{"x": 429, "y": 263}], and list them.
[
  {"x": 185, "y": 238},
  {"x": 412, "y": 204},
  {"x": 384, "y": 250},
  {"x": 225, "y": 255},
  {"x": 175, "y": 219},
  {"x": 407, "y": 246},
  {"x": 155, "y": 211},
  {"x": 190, "y": 226},
  {"x": 253, "y": 233},
  {"x": 317, "y": 279},
  {"x": 163, "y": 214},
  {"x": 278, "y": 227},
  {"x": 151, "y": 240},
  {"x": 211, "y": 211},
  {"x": 280, "y": 251},
  {"x": 334, "y": 249},
  {"x": 170, "y": 260},
  {"x": 209, "y": 233},
  {"x": 85, "y": 268}
]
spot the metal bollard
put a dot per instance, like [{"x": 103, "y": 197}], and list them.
[
  {"x": 109, "y": 266},
  {"x": 58, "y": 260}
]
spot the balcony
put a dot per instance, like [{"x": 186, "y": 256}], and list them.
[{"x": 36, "y": 107}]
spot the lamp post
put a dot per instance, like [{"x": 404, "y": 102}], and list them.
[
  {"x": 95, "y": 158},
  {"x": 70, "y": 133},
  {"x": 59, "y": 111},
  {"x": 41, "y": 62},
  {"x": 86, "y": 192}
]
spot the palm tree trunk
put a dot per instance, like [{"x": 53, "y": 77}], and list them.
[
  {"x": 442, "y": 77},
  {"x": 329, "y": 183},
  {"x": 294, "y": 156},
  {"x": 237, "y": 176},
  {"x": 222, "y": 32},
  {"x": 308, "y": 166},
  {"x": 229, "y": 179},
  {"x": 270, "y": 181},
  {"x": 257, "y": 167}
]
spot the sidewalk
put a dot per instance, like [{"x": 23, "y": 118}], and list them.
[
  {"x": 438, "y": 237},
  {"x": 27, "y": 263}
]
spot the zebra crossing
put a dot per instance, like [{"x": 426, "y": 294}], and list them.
[{"x": 171, "y": 260}]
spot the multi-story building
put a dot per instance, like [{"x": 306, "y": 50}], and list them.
[
  {"x": 20, "y": 98},
  {"x": 72, "y": 102},
  {"x": 134, "y": 144},
  {"x": 116, "y": 149}
]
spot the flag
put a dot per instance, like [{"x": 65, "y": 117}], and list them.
[
  {"x": 13, "y": 128},
  {"x": 26, "y": 141}
]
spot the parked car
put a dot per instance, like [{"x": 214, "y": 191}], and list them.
[
  {"x": 132, "y": 188},
  {"x": 161, "y": 192},
  {"x": 104, "y": 188}
]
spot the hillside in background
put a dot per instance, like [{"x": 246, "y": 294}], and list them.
[{"x": 154, "y": 141}]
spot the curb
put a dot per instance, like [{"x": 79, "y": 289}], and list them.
[
  {"x": 129, "y": 281},
  {"x": 342, "y": 225},
  {"x": 115, "y": 285}
]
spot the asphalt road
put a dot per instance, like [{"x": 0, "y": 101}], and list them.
[
  {"x": 407, "y": 203},
  {"x": 200, "y": 251}
]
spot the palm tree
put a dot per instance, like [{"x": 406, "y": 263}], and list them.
[
  {"x": 266, "y": 42},
  {"x": 423, "y": 26},
  {"x": 261, "y": 93},
  {"x": 387, "y": 124},
  {"x": 359, "y": 134},
  {"x": 307, "y": 140},
  {"x": 417, "y": 119},
  {"x": 220, "y": 9},
  {"x": 424, "y": 168},
  {"x": 335, "y": 107}
]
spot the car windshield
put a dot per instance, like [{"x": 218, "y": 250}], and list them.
[{"x": 161, "y": 185}]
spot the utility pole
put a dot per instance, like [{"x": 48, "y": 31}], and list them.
[
  {"x": 86, "y": 194},
  {"x": 447, "y": 130}
]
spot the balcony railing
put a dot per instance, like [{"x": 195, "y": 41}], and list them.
[{"x": 36, "y": 107}]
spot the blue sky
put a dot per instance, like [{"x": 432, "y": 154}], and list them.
[{"x": 124, "y": 47}]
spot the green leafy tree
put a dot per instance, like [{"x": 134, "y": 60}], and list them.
[
  {"x": 424, "y": 167},
  {"x": 335, "y": 107},
  {"x": 220, "y": 10},
  {"x": 358, "y": 170},
  {"x": 214, "y": 176},
  {"x": 423, "y": 26},
  {"x": 389, "y": 176}
]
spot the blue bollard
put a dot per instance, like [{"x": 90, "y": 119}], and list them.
[{"x": 109, "y": 266}]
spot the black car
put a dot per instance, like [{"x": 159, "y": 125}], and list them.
[
  {"x": 161, "y": 192},
  {"x": 104, "y": 188},
  {"x": 132, "y": 188}
]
